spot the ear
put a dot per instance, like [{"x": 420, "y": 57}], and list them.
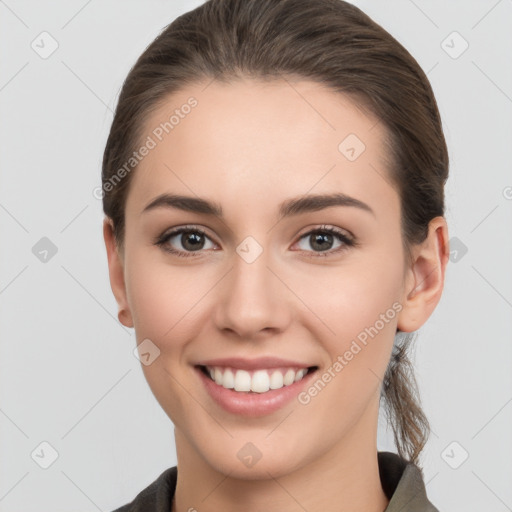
[
  {"x": 116, "y": 273},
  {"x": 425, "y": 278}
]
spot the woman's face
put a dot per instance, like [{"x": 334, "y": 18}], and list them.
[{"x": 265, "y": 280}]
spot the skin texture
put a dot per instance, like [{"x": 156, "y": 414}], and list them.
[{"x": 248, "y": 146}]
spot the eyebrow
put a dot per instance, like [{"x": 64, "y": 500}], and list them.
[{"x": 288, "y": 208}]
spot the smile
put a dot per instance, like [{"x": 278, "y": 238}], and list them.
[{"x": 256, "y": 381}]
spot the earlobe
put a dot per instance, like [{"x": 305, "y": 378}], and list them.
[
  {"x": 425, "y": 278},
  {"x": 116, "y": 273},
  {"x": 125, "y": 317}
]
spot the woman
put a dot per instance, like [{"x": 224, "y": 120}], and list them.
[{"x": 274, "y": 198}]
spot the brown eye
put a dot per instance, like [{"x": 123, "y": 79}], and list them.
[
  {"x": 190, "y": 239},
  {"x": 321, "y": 241}
]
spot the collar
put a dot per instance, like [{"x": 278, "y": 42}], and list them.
[{"x": 402, "y": 482}]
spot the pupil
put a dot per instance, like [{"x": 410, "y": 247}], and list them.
[
  {"x": 322, "y": 237},
  {"x": 187, "y": 237}
]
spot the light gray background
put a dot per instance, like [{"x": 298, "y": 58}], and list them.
[{"x": 68, "y": 373}]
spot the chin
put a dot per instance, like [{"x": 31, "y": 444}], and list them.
[{"x": 248, "y": 462}]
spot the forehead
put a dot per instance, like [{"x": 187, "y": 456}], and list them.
[{"x": 262, "y": 141}]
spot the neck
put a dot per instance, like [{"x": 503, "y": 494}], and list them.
[{"x": 344, "y": 478}]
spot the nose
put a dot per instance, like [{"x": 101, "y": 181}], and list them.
[{"x": 253, "y": 300}]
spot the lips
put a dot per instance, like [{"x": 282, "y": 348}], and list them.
[
  {"x": 254, "y": 402},
  {"x": 254, "y": 387}
]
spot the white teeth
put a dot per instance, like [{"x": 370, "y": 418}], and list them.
[
  {"x": 228, "y": 379},
  {"x": 276, "y": 380},
  {"x": 300, "y": 374},
  {"x": 260, "y": 381},
  {"x": 242, "y": 381},
  {"x": 289, "y": 377}
]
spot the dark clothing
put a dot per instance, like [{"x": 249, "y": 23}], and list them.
[{"x": 402, "y": 482}]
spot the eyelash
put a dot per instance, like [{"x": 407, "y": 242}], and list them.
[{"x": 347, "y": 242}]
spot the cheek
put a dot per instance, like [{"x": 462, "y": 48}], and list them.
[
  {"x": 161, "y": 299},
  {"x": 164, "y": 299},
  {"x": 351, "y": 297},
  {"x": 358, "y": 306},
  {"x": 164, "y": 302},
  {"x": 152, "y": 301}
]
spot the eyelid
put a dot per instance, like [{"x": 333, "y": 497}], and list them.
[
  {"x": 325, "y": 227},
  {"x": 178, "y": 229}
]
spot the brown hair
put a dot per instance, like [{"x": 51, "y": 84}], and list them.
[{"x": 335, "y": 44}]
